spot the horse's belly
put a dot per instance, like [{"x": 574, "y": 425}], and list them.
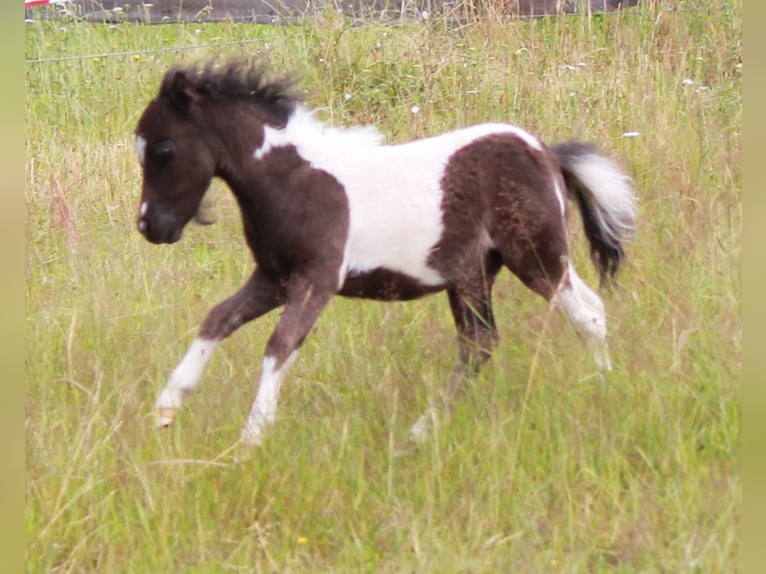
[{"x": 385, "y": 285}]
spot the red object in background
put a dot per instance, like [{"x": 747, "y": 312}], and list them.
[{"x": 29, "y": 3}]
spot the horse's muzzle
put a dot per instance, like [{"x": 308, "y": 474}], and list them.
[{"x": 158, "y": 228}]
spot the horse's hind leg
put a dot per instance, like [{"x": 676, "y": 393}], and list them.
[
  {"x": 585, "y": 311},
  {"x": 544, "y": 267},
  {"x": 471, "y": 304}
]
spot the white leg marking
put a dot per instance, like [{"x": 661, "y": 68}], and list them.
[
  {"x": 264, "y": 409},
  {"x": 184, "y": 379},
  {"x": 421, "y": 430},
  {"x": 586, "y": 312},
  {"x": 141, "y": 149}
]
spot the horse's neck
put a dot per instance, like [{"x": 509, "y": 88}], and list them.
[{"x": 232, "y": 135}]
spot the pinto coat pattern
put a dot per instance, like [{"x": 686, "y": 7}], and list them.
[{"x": 329, "y": 211}]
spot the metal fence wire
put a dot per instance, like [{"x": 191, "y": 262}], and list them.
[{"x": 293, "y": 11}]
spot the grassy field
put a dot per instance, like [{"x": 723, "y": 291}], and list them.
[{"x": 543, "y": 468}]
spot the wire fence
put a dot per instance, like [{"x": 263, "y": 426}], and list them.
[
  {"x": 267, "y": 11},
  {"x": 292, "y": 21},
  {"x": 145, "y": 52}
]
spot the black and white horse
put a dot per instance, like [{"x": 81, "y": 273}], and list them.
[{"x": 330, "y": 211}]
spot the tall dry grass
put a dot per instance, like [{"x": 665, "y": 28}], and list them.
[{"x": 548, "y": 470}]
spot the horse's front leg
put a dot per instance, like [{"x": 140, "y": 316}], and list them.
[
  {"x": 305, "y": 301},
  {"x": 258, "y": 296}
]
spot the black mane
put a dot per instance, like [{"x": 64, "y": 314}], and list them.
[{"x": 240, "y": 80}]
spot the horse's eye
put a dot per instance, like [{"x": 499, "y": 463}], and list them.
[{"x": 163, "y": 149}]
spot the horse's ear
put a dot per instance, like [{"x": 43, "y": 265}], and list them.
[{"x": 180, "y": 91}]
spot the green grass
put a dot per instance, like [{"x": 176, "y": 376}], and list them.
[{"x": 541, "y": 469}]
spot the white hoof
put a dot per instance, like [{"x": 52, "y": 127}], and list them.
[
  {"x": 164, "y": 416},
  {"x": 252, "y": 435},
  {"x": 604, "y": 362},
  {"x": 423, "y": 427}
]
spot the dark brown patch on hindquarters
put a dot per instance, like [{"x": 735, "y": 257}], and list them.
[
  {"x": 385, "y": 285},
  {"x": 499, "y": 195}
]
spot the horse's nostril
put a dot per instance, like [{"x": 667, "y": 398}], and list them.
[{"x": 142, "y": 225}]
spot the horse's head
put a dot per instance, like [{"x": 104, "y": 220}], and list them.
[{"x": 177, "y": 161}]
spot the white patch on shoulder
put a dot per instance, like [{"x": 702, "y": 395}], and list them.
[
  {"x": 307, "y": 133},
  {"x": 271, "y": 138},
  {"x": 394, "y": 191},
  {"x": 141, "y": 149}
]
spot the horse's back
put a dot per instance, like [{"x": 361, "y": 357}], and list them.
[{"x": 427, "y": 208}]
